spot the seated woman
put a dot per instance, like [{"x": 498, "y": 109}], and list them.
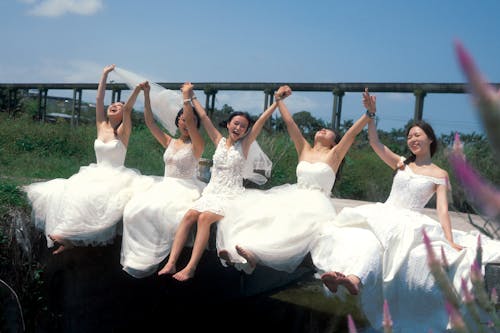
[
  {"x": 275, "y": 228},
  {"x": 86, "y": 208},
  {"x": 230, "y": 160},
  {"x": 151, "y": 218},
  {"x": 392, "y": 264}
]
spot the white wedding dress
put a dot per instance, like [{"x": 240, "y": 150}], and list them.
[
  {"x": 278, "y": 225},
  {"x": 386, "y": 250},
  {"x": 226, "y": 180},
  {"x": 86, "y": 207},
  {"x": 151, "y": 218}
]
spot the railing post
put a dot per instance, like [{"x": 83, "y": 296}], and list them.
[
  {"x": 42, "y": 103},
  {"x": 337, "y": 108},
  {"x": 210, "y": 100},
  {"x": 419, "y": 104},
  {"x": 77, "y": 103}
]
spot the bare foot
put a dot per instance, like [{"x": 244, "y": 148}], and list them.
[
  {"x": 224, "y": 255},
  {"x": 351, "y": 283},
  {"x": 61, "y": 243},
  {"x": 334, "y": 279},
  {"x": 184, "y": 275},
  {"x": 167, "y": 269},
  {"x": 248, "y": 255}
]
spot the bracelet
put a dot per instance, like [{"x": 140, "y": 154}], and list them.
[
  {"x": 193, "y": 98},
  {"x": 188, "y": 100},
  {"x": 370, "y": 115},
  {"x": 277, "y": 98}
]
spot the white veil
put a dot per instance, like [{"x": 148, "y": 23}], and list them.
[
  {"x": 257, "y": 160},
  {"x": 165, "y": 103}
]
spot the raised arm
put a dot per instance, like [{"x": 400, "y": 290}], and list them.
[
  {"x": 385, "y": 154},
  {"x": 100, "y": 113},
  {"x": 194, "y": 134},
  {"x": 212, "y": 132},
  {"x": 160, "y": 136},
  {"x": 293, "y": 130},
  {"x": 444, "y": 215},
  {"x": 257, "y": 128},
  {"x": 125, "y": 128},
  {"x": 345, "y": 144}
]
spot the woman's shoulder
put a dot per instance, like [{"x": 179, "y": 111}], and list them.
[{"x": 438, "y": 172}]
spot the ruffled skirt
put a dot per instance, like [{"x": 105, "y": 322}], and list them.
[
  {"x": 150, "y": 222},
  {"x": 85, "y": 208}
]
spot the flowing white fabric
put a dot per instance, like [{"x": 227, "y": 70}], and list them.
[
  {"x": 386, "y": 251},
  {"x": 151, "y": 218},
  {"x": 86, "y": 207},
  {"x": 279, "y": 224},
  {"x": 165, "y": 103},
  {"x": 257, "y": 160}
]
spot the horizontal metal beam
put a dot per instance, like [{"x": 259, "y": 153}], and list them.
[{"x": 453, "y": 88}]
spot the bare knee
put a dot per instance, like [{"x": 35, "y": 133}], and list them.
[
  {"x": 190, "y": 217},
  {"x": 207, "y": 219}
]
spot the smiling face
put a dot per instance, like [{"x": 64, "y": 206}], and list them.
[
  {"x": 237, "y": 127},
  {"x": 418, "y": 141},
  {"x": 115, "y": 111}
]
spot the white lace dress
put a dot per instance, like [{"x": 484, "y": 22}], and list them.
[
  {"x": 151, "y": 218},
  {"x": 385, "y": 249},
  {"x": 279, "y": 224},
  {"x": 226, "y": 180},
  {"x": 86, "y": 207}
]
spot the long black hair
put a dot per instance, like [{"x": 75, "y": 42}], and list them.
[
  {"x": 338, "y": 138},
  {"x": 429, "y": 131}
]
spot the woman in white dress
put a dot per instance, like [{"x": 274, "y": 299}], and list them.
[
  {"x": 226, "y": 184},
  {"x": 378, "y": 247},
  {"x": 85, "y": 208},
  {"x": 151, "y": 218},
  {"x": 275, "y": 228}
]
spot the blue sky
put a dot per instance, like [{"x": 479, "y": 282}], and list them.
[{"x": 261, "y": 41}]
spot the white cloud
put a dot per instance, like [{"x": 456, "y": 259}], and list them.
[{"x": 53, "y": 8}]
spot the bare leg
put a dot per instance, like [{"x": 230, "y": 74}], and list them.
[
  {"x": 64, "y": 244},
  {"x": 202, "y": 234},
  {"x": 248, "y": 255},
  {"x": 333, "y": 279},
  {"x": 180, "y": 239}
]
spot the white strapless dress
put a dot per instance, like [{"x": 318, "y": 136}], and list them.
[
  {"x": 151, "y": 218},
  {"x": 385, "y": 249},
  {"x": 278, "y": 225},
  {"x": 86, "y": 207}
]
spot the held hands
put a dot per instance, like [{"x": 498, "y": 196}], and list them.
[
  {"x": 145, "y": 86},
  {"x": 282, "y": 93},
  {"x": 369, "y": 102}
]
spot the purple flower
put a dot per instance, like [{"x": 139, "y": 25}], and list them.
[
  {"x": 484, "y": 195},
  {"x": 486, "y": 97},
  {"x": 387, "y": 322},
  {"x": 350, "y": 324}
]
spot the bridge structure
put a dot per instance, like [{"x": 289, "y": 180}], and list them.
[{"x": 338, "y": 90}]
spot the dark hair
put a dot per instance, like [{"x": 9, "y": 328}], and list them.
[
  {"x": 427, "y": 128},
  {"x": 181, "y": 112},
  {"x": 238, "y": 113},
  {"x": 338, "y": 138}
]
